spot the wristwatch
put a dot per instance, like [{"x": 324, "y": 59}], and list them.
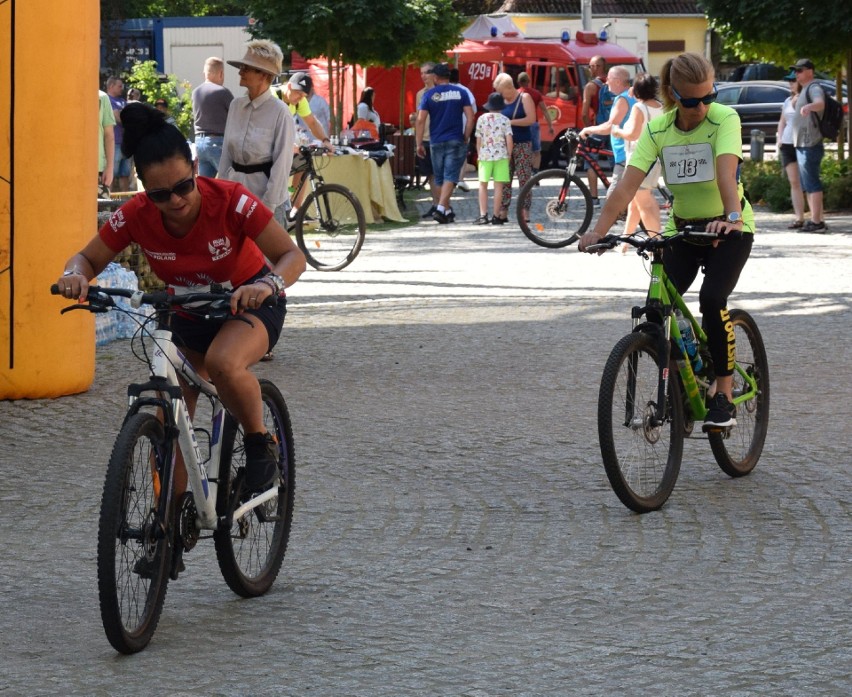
[
  {"x": 277, "y": 281},
  {"x": 734, "y": 217}
]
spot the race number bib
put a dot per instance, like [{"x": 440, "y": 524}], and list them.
[{"x": 689, "y": 164}]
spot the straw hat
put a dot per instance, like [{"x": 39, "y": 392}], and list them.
[{"x": 269, "y": 64}]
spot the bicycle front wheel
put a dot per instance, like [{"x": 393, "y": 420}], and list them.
[
  {"x": 641, "y": 455},
  {"x": 738, "y": 449},
  {"x": 554, "y": 209},
  {"x": 330, "y": 227},
  {"x": 133, "y": 554},
  {"x": 250, "y": 553}
]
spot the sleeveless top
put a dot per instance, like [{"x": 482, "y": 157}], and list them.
[
  {"x": 618, "y": 152},
  {"x": 515, "y": 110}
]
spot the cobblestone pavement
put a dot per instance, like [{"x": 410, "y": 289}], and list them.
[{"x": 454, "y": 531}]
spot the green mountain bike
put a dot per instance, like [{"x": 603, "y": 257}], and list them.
[{"x": 651, "y": 397}]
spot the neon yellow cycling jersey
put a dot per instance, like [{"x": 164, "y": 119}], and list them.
[{"x": 689, "y": 161}]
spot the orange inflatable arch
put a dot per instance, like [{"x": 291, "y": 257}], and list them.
[{"x": 48, "y": 194}]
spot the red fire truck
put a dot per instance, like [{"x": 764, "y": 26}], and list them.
[{"x": 559, "y": 69}]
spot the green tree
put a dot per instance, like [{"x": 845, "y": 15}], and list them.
[
  {"x": 145, "y": 77},
  {"x": 781, "y": 31},
  {"x": 363, "y": 32}
]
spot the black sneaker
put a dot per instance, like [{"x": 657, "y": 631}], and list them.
[
  {"x": 261, "y": 462},
  {"x": 145, "y": 568},
  {"x": 428, "y": 214},
  {"x": 497, "y": 220},
  {"x": 444, "y": 217},
  {"x": 721, "y": 413},
  {"x": 811, "y": 226}
]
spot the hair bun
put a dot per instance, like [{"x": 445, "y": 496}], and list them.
[{"x": 139, "y": 120}]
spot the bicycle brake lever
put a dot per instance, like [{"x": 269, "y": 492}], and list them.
[
  {"x": 76, "y": 306},
  {"x": 82, "y": 306}
]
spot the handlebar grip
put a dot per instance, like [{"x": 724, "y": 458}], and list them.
[{"x": 54, "y": 289}]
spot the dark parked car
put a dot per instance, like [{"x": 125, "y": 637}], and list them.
[{"x": 759, "y": 102}]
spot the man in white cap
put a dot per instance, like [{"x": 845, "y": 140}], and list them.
[{"x": 295, "y": 95}]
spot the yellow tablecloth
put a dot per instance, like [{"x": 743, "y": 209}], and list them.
[{"x": 372, "y": 184}]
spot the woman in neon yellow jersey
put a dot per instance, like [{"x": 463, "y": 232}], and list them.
[{"x": 699, "y": 144}]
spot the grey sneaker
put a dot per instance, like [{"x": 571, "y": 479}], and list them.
[
  {"x": 811, "y": 226},
  {"x": 721, "y": 413}
]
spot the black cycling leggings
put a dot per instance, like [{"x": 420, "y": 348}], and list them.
[{"x": 722, "y": 266}]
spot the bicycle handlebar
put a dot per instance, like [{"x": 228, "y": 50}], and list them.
[
  {"x": 645, "y": 244},
  {"x": 218, "y": 299},
  {"x": 312, "y": 149}
]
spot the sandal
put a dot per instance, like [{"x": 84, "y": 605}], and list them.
[
  {"x": 796, "y": 224},
  {"x": 267, "y": 356},
  {"x": 482, "y": 220}
]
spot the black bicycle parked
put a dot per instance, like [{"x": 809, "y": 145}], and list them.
[{"x": 330, "y": 223}]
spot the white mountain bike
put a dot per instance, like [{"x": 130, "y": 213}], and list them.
[{"x": 144, "y": 527}]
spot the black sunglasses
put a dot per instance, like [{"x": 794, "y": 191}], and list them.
[
  {"x": 692, "y": 102},
  {"x": 182, "y": 188}
]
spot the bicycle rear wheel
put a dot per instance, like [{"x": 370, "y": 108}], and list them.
[
  {"x": 330, "y": 227},
  {"x": 738, "y": 449},
  {"x": 554, "y": 209},
  {"x": 133, "y": 555},
  {"x": 250, "y": 553},
  {"x": 641, "y": 457}
]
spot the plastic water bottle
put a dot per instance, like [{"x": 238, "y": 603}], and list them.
[{"x": 690, "y": 345}]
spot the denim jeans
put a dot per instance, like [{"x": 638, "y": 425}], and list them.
[
  {"x": 809, "y": 160},
  {"x": 447, "y": 159},
  {"x": 208, "y": 150}
]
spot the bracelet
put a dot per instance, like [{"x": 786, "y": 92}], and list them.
[
  {"x": 269, "y": 284},
  {"x": 72, "y": 272}
]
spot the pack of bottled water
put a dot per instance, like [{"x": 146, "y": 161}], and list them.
[{"x": 113, "y": 325}]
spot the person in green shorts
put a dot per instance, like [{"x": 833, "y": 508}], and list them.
[
  {"x": 699, "y": 144},
  {"x": 493, "y": 146}
]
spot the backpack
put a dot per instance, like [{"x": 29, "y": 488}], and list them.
[
  {"x": 832, "y": 117},
  {"x": 605, "y": 99}
]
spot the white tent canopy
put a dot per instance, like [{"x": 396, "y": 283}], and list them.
[{"x": 481, "y": 27}]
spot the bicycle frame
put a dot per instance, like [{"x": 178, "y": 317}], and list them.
[
  {"x": 167, "y": 365},
  {"x": 309, "y": 174},
  {"x": 584, "y": 153},
  {"x": 664, "y": 298}
]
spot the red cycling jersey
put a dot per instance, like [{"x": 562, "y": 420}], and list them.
[{"x": 220, "y": 248}]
